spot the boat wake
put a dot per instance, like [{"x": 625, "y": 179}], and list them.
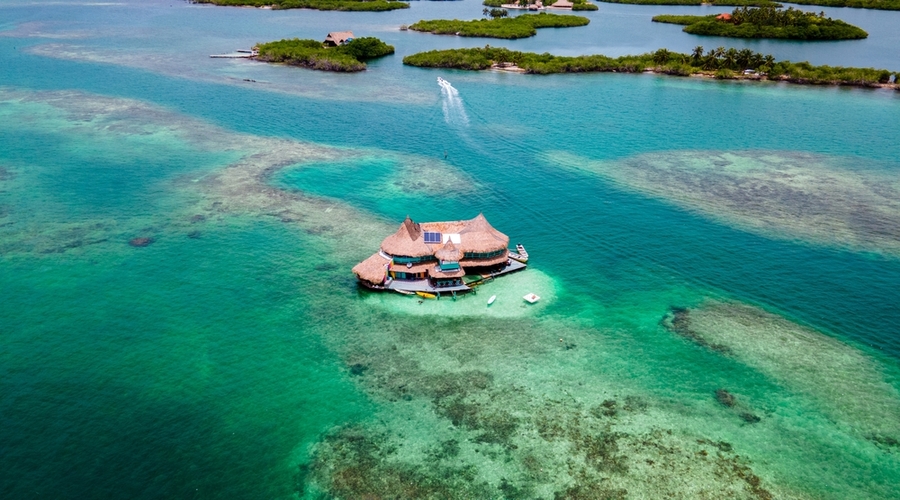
[{"x": 454, "y": 110}]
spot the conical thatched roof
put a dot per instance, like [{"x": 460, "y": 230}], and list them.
[
  {"x": 449, "y": 253},
  {"x": 372, "y": 269},
  {"x": 407, "y": 241},
  {"x": 479, "y": 235}
]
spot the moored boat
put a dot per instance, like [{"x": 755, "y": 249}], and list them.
[
  {"x": 492, "y": 299},
  {"x": 531, "y": 298},
  {"x": 426, "y": 295},
  {"x": 520, "y": 248},
  {"x": 518, "y": 257}
]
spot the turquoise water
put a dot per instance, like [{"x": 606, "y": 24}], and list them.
[{"x": 235, "y": 357}]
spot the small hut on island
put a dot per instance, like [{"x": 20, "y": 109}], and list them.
[
  {"x": 435, "y": 257},
  {"x": 336, "y": 38}
]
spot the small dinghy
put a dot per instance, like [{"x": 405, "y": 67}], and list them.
[
  {"x": 520, "y": 248},
  {"x": 426, "y": 295},
  {"x": 531, "y": 298},
  {"x": 492, "y": 299}
]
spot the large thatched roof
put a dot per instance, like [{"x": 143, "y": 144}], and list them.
[
  {"x": 479, "y": 235},
  {"x": 407, "y": 241},
  {"x": 372, "y": 269},
  {"x": 474, "y": 235}
]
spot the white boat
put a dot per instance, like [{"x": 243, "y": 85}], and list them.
[
  {"x": 520, "y": 248},
  {"x": 442, "y": 82},
  {"x": 492, "y": 299},
  {"x": 531, "y": 298},
  {"x": 521, "y": 258}
]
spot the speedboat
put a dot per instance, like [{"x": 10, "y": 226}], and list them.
[
  {"x": 442, "y": 82},
  {"x": 492, "y": 299}
]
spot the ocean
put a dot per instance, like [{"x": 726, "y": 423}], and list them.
[{"x": 719, "y": 265}]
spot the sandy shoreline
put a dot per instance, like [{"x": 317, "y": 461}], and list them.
[{"x": 512, "y": 68}]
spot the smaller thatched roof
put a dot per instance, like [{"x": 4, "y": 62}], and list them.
[
  {"x": 437, "y": 272},
  {"x": 487, "y": 262},
  {"x": 449, "y": 253},
  {"x": 419, "y": 267},
  {"x": 373, "y": 269},
  {"x": 562, "y": 4}
]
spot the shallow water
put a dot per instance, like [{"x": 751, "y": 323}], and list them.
[{"x": 234, "y": 355}]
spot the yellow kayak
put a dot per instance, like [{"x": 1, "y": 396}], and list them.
[{"x": 426, "y": 295}]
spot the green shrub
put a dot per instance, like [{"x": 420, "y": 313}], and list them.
[
  {"x": 522, "y": 26},
  {"x": 767, "y": 22},
  {"x": 724, "y": 74},
  {"x": 312, "y": 54},
  {"x": 348, "y": 5},
  {"x": 722, "y": 63},
  {"x": 859, "y": 4}
]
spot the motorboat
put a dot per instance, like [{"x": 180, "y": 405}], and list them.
[{"x": 492, "y": 299}]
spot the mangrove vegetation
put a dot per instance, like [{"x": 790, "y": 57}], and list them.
[
  {"x": 857, "y": 4},
  {"x": 767, "y": 22},
  {"x": 719, "y": 63},
  {"x": 576, "y": 4},
  {"x": 522, "y": 26},
  {"x": 348, "y": 5},
  {"x": 313, "y": 54}
]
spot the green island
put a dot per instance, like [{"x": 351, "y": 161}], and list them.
[
  {"x": 576, "y": 4},
  {"x": 856, "y": 4},
  {"x": 767, "y": 22},
  {"x": 522, "y": 26},
  {"x": 313, "y": 54},
  {"x": 347, "y": 5},
  {"x": 718, "y": 63}
]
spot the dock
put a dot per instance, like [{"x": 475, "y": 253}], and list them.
[
  {"x": 426, "y": 286},
  {"x": 237, "y": 55}
]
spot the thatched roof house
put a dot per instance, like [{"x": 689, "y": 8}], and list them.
[
  {"x": 440, "y": 252},
  {"x": 336, "y": 38}
]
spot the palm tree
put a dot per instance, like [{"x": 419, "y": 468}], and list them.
[
  {"x": 661, "y": 56},
  {"x": 744, "y": 56},
  {"x": 697, "y": 53},
  {"x": 730, "y": 59}
]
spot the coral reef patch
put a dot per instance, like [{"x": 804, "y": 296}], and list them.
[{"x": 833, "y": 201}]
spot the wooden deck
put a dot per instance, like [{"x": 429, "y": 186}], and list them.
[{"x": 426, "y": 286}]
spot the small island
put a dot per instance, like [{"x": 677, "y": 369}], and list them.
[
  {"x": 538, "y": 5},
  {"x": 346, "y": 5},
  {"x": 522, "y": 26},
  {"x": 856, "y": 4},
  {"x": 719, "y": 63},
  {"x": 767, "y": 22},
  {"x": 340, "y": 52}
]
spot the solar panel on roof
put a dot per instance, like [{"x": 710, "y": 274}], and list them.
[{"x": 432, "y": 237}]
